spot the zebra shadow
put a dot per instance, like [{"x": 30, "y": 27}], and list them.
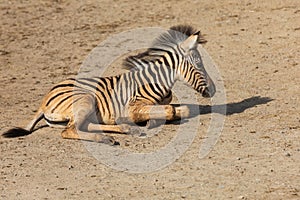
[{"x": 224, "y": 109}]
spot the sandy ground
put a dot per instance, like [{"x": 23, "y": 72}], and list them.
[{"x": 256, "y": 46}]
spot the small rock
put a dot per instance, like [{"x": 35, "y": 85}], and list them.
[
  {"x": 3, "y": 52},
  {"x": 143, "y": 135},
  {"x": 288, "y": 154},
  {"x": 61, "y": 188}
]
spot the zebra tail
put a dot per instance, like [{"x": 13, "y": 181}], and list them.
[{"x": 16, "y": 132}]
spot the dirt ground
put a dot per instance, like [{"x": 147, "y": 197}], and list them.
[{"x": 256, "y": 46}]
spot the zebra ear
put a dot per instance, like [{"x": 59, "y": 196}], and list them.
[{"x": 190, "y": 42}]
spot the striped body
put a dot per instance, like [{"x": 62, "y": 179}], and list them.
[
  {"x": 112, "y": 95},
  {"x": 144, "y": 93}
]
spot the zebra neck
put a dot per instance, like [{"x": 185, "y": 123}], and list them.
[{"x": 158, "y": 74}]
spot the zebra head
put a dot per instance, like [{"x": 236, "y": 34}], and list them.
[
  {"x": 176, "y": 50},
  {"x": 191, "y": 69}
]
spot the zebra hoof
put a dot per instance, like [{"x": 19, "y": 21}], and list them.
[
  {"x": 109, "y": 140},
  {"x": 135, "y": 131},
  {"x": 182, "y": 112},
  {"x": 125, "y": 128}
]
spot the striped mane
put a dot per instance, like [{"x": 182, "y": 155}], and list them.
[{"x": 174, "y": 36}]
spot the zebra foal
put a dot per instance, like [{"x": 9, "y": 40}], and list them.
[{"x": 86, "y": 106}]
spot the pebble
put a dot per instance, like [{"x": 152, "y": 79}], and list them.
[
  {"x": 61, "y": 188},
  {"x": 288, "y": 154}
]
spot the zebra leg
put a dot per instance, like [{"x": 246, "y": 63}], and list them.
[
  {"x": 182, "y": 112},
  {"x": 73, "y": 133},
  {"x": 141, "y": 113},
  {"x": 83, "y": 111},
  {"x": 122, "y": 128}
]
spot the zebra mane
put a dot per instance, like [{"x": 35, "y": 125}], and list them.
[{"x": 174, "y": 36}]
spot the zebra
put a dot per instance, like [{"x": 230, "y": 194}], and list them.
[{"x": 91, "y": 108}]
